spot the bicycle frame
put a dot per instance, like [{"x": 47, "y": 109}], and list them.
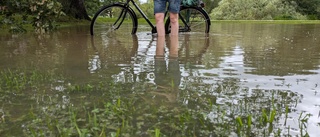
[
  {"x": 154, "y": 30},
  {"x": 127, "y": 7}
]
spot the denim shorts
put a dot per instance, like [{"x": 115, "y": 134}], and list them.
[{"x": 160, "y": 6}]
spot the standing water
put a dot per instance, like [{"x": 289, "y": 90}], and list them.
[{"x": 242, "y": 80}]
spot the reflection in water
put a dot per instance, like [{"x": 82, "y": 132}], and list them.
[
  {"x": 199, "y": 48},
  {"x": 239, "y": 70},
  {"x": 76, "y": 58},
  {"x": 112, "y": 57},
  {"x": 167, "y": 76}
]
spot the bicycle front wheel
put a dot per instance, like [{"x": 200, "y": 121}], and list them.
[
  {"x": 191, "y": 19},
  {"x": 114, "y": 19}
]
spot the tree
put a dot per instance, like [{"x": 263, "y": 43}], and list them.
[
  {"x": 42, "y": 14},
  {"x": 93, "y": 6},
  {"x": 308, "y": 7},
  {"x": 210, "y": 4},
  {"x": 75, "y": 8},
  {"x": 255, "y": 10}
]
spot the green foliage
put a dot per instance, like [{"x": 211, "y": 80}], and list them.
[
  {"x": 210, "y": 4},
  {"x": 7, "y": 14},
  {"x": 93, "y": 6},
  {"x": 283, "y": 17},
  {"x": 147, "y": 8},
  {"x": 43, "y": 12},
  {"x": 254, "y": 10},
  {"x": 308, "y": 7},
  {"x": 105, "y": 108}
]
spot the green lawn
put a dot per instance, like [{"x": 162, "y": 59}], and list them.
[
  {"x": 270, "y": 21},
  {"x": 67, "y": 22}
]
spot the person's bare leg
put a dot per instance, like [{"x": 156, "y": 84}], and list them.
[
  {"x": 160, "y": 24},
  {"x": 174, "y": 17}
]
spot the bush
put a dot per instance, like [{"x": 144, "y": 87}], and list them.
[
  {"x": 312, "y": 17},
  {"x": 16, "y": 14},
  {"x": 284, "y": 17},
  {"x": 45, "y": 13},
  {"x": 254, "y": 10}
]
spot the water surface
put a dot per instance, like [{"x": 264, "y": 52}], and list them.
[{"x": 239, "y": 70}]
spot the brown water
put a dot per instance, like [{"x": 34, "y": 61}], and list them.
[{"x": 256, "y": 64}]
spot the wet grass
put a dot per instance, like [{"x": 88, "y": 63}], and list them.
[
  {"x": 104, "y": 108},
  {"x": 21, "y": 80}
]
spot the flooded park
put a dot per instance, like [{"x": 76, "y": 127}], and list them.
[{"x": 243, "y": 79}]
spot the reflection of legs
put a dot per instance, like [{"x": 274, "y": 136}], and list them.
[
  {"x": 174, "y": 46},
  {"x": 160, "y": 63},
  {"x": 160, "y": 72},
  {"x": 172, "y": 74},
  {"x": 173, "y": 66},
  {"x": 167, "y": 78}
]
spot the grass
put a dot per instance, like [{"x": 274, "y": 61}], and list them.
[
  {"x": 17, "y": 26},
  {"x": 65, "y": 21},
  {"x": 106, "y": 125},
  {"x": 116, "y": 109},
  {"x": 105, "y": 108},
  {"x": 269, "y": 21},
  {"x": 130, "y": 117}
]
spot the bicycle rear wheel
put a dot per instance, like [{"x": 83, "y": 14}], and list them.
[
  {"x": 191, "y": 19},
  {"x": 114, "y": 19}
]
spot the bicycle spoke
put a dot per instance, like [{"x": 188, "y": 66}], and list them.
[
  {"x": 113, "y": 19},
  {"x": 195, "y": 20}
]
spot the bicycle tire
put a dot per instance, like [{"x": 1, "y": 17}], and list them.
[
  {"x": 191, "y": 19},
  {"x": 110, "y": 20}
]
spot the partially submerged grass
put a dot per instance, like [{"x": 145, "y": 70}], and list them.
[
  {"x": 132, "y": 109},
  {"x": 21, "y": 80}
]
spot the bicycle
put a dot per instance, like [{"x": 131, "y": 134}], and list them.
[{"x": 121, "y": 18}]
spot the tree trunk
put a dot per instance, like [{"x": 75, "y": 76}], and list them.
[{"x": 75, "y": 8}]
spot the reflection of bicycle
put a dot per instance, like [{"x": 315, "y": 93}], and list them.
[
  {"x": 121, "y": 18},
  {"x": 115, "y": 50},
  {"x": 192, "y": 49}
]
